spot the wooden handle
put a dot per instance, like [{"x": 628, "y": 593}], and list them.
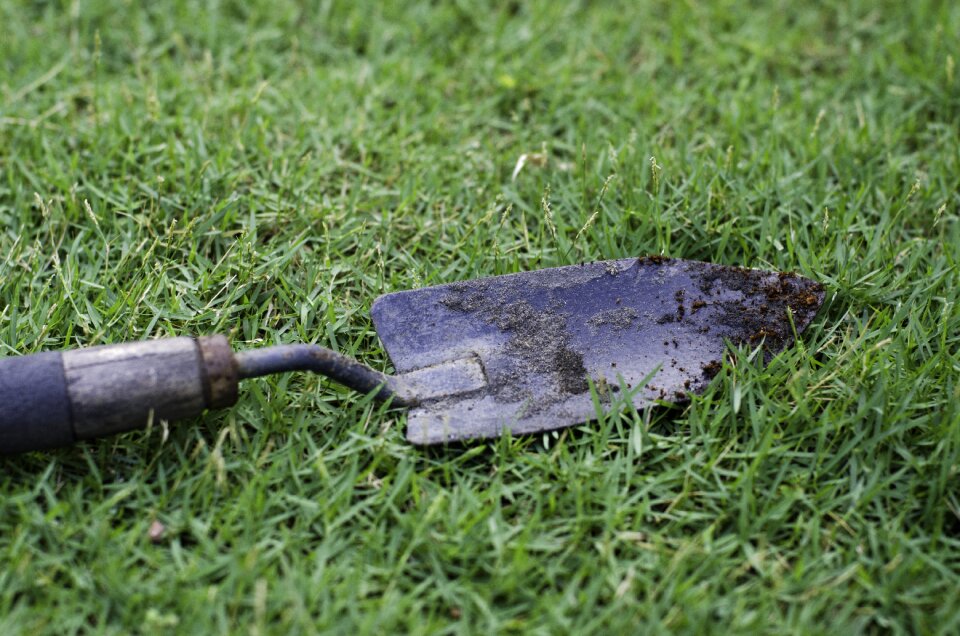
[{"x": 53, "y": 399}]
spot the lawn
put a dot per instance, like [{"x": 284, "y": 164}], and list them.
[{"x": 266, "y": 170}]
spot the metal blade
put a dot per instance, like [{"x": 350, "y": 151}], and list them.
[{"x": 540, "y": 335}]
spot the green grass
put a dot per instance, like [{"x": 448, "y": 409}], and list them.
[{"x": 266, "y": 170}]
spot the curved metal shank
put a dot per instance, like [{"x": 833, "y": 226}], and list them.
[{"x": 305, "y": 357}]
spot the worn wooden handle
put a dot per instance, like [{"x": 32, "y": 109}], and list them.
[{"x": 54, "y": 399}]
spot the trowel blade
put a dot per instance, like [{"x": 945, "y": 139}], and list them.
[{"x": 543, "y": 337}]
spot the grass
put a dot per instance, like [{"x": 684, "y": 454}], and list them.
[{"x": 266, "y": 170}]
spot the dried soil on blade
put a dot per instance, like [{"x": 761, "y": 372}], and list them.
[{"x": 538, "y": 343}]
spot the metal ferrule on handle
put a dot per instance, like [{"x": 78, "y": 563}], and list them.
[{"x": 56, "y": 398}]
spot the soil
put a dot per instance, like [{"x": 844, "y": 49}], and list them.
[
  {"x": 620, "y": 319},
  {"x": 539, "y": 341},
  {"x": 711, "y": 369},
  {"x": 747, "y": 321}
]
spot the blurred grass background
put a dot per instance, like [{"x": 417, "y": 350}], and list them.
[{"x": 266, "y": 169}]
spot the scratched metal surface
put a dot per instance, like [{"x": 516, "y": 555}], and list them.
[{"x": 540, "y": 335}]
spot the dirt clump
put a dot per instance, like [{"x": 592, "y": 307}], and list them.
[
  {"x": 655, "y": 259},
  {"x": 570, "y": 372},
  {"x": 751, "y": 306},
  {"x": 711, "y": 369}
]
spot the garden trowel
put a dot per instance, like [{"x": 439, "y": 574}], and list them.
[{"x": 523, "y": 353}]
